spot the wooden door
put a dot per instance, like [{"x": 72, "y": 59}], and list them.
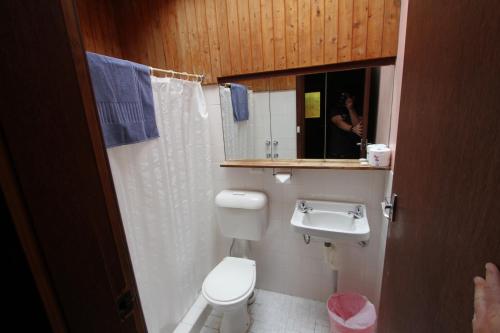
[
  {"x": 55, "y": 175},
  {"x": 300, "y": 115},
  {"x": 447, "y": 168},
  {"x": 366, "y": 111}
]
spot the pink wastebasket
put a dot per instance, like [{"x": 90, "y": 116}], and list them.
[{"x": 351, "y": 313}]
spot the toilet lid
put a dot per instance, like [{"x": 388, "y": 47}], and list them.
[{"x": 231, "y": 279}]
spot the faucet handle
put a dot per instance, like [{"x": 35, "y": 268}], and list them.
[
  {"x": 303, "y": 207},
  {"x": 357, "y": 213}
]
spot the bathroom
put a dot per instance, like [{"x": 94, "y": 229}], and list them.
[{"x": 149, "y": 235}]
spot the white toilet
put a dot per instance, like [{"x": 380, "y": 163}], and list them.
[{"x": 241, "y": 215}]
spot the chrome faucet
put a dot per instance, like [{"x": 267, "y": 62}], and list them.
[
  {"x": 304, "y": 208},
  {"x": 358, "y": 213}
]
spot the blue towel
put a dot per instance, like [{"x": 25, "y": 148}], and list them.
[
  {"x": 124, "y": 100},
  {"x": 239, "y": 100}
]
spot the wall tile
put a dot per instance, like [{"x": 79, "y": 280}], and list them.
[
  {"x": 211, "y": 94},
  {"x": 284, "y": 262}
]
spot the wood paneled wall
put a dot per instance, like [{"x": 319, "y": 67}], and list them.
[
  {"x": 223, "y": 37},
  {"x": 98, "y": 27}
]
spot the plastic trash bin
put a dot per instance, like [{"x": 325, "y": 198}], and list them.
[{"x": 351, "y": 313}]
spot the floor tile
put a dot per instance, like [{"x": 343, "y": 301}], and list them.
[{"x": 279, "y": 313}]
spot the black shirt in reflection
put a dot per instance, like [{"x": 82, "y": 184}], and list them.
[{"x": 340, "y": 143}]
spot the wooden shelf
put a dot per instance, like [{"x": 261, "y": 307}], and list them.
[{"x": 300, "y": 164}]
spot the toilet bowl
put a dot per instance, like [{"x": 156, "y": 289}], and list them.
[
  {"x": 241, "y": 215},
  {"x": 227, "y": 289}
]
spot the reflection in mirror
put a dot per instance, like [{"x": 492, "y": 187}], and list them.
[
  {"x": 312, "y": 116},
  {"x": 246, "y": 119},
  {"x": 340, "y": 112},
  {"x": 346, "y": 95},
  {"x": 311, "y": 139},
  {"x": 282, "y": 98}
]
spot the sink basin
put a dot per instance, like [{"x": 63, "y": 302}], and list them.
[{"x": 331, "y": 220}]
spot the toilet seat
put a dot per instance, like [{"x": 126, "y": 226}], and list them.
[{"x": 230, "y": 281}]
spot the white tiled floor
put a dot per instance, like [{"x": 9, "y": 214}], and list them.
[{"x": 278, "y": 313}]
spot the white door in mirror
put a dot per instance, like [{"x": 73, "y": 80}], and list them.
[{"x": 331, "y": 220}]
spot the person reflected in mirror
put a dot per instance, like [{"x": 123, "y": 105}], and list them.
[
  {"x": 345, "y": 129},
  {"x": 487, "y": 301}
]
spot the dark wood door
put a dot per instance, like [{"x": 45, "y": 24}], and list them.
[
  {"x": 55, "y": 175},
  {"x": 447, "y": 168}
]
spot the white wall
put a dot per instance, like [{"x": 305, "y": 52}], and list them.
[{"x": 284, "y": 263}]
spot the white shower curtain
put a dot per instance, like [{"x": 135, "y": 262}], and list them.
[
  {"x": 239, "y": 136},
  {"x": 165, "y": 193}
]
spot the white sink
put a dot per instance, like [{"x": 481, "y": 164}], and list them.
[{"x": 331, "y": 220}]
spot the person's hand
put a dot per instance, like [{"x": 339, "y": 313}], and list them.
[
  {"x": 358, "y": 129},
  {"x": 487, "y": 301}
]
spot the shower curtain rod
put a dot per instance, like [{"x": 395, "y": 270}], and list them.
[{"x": 199, "y": 77}]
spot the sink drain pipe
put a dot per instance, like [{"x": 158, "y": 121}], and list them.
[
  {"x": 307, "y": 238},
  {"x": 330, "y": 255}
]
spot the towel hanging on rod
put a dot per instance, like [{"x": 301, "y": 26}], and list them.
[{"x": 187, "y": 76}]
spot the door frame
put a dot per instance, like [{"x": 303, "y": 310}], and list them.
[
  {"x": 446, "y": 180},
  {"x": 300, "y": 115},
  {"x": 32, "y": 124}
]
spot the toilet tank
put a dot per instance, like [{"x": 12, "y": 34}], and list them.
[{"x": 242, "y": 214}]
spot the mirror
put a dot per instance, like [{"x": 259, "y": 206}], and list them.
[
  {"x": 246, "y": 137},
  {"x": 283, "y": 108},
  {"x": 330, "y": 115}
]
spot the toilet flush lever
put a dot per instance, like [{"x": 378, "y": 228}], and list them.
[{"x": 389, "y": 208}]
